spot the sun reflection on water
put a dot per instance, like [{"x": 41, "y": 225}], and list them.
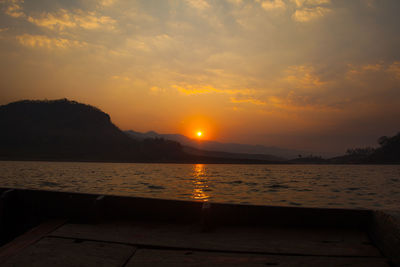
[{"x": 200, "y": 183}]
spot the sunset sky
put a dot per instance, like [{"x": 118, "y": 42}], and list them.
[{"x": 316, "y": 75}]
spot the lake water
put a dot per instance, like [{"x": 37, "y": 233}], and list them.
[{"x": 340, "y": 186}]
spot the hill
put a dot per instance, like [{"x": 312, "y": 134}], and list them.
[{"x": 68, "y": 130}]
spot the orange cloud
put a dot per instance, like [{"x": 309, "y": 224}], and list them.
[
  {"x": 356, "y": 71},
  {"x": 295, "y": 102},
  {"x": 155, "y": 90},
  {"x": 248, "y": 100},
  {"x": 107, "y": 3},
  {"x": 67, "y": 19},
  {"x": 308, "y": 14},
  {"x": 122, "y": 78},
  {"x": 308, "y": 10},
  {"x": 198, "y": 4},
  {"x": 301, "y": 3},
  {"x": 207, "y": 89},
  {"x": 273, "y": 4},
  {"x": 14, "y": 8},
  {"x": 46, "y": 42},
  {"x": 303, "y": 76}
]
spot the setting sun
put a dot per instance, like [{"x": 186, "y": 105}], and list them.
[{"x": 199, "y": 134}]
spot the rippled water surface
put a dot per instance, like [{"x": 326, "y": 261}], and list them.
[{"x": 348, "y": 186}]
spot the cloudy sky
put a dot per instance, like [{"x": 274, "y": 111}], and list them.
[{"x": 319, "y": 75}]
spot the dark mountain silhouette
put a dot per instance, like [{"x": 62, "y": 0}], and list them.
[
  {"x": 252, "y": 151},
  {"x": 68, "y": 130},
  {"x": 63, "y": 129}
]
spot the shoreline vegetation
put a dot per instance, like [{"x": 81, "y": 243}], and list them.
[{"x": 64, "y": 130}]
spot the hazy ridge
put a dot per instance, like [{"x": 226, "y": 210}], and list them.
[{"x": 256, "y": 151}]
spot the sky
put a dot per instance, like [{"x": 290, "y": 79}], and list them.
[{"x": 315, "y": 75}]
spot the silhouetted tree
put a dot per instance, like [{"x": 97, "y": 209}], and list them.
[
  {"x": 382, "y": 141},
  {"x": 360, "y": 151}
]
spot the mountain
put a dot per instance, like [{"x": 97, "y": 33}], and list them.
[
  {"x": 71, "y": 131},
  {"x": 68, "y": 130},
  {"x": 252, "y": 151}
]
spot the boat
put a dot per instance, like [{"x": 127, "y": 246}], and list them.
[{"x": 49, "y": 228}]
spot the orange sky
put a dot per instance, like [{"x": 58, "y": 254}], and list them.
[{"x": 317, "y": 75}]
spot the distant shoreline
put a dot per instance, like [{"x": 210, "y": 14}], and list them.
[
  {"x": 218, "y": 161},
  {"x": 250, "y": 162},
  {"x": 68, "y": 131}
]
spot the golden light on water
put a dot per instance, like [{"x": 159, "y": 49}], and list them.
[{"x": 200, "y": 183}]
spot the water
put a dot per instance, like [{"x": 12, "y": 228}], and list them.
[{"x": 340, "y": 186}]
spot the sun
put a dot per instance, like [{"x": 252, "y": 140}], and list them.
[{"x": 199, "y": 134}]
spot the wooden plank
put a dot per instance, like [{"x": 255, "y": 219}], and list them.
[
  {"x": 69, "y": 252},
  {"x": 385, "y": 230},
  {"x": 274, "y": 240},
  {"x": 28, "y": 238},
  {"x": 176, "y": 258}
]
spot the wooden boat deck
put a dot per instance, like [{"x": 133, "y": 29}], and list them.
[{"x": 206, "y": 241}]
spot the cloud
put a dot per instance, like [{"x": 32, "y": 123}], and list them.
[
  {"x": 273, "y": 4},
  {"x": 61, "y": 19},
  {"x": 107, "y": 3},
  {"x": 198, "y": 4},
  {"x": 365, "y": 71},
  {"x": 121, "y": 78},
  {"x": 303, "y": 76},
  {"x": 308, "y": 10},
  {"x": 155, "y": 90},
  {"x": 308, "y": 14},
  {"x": 377, "y": 83},
  {"x": 14, "y": 8},
  {"x": 207, "y": 89},
  {"x": 248, "y": 100},
  {"x": 293, "y": 101},
  {"x": 46, "y": 42},
  {"x": 193, "y": 90},
  {"x": 235, "y": 2},
  {"x": 301, "y": 3},
  {"x": 159, "y": 43},
  {"x": 71, "y": 19},
  {"x": 238, "y": 96}
]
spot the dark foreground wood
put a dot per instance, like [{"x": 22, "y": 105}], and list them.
[{"x": 93, "y": 230}]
